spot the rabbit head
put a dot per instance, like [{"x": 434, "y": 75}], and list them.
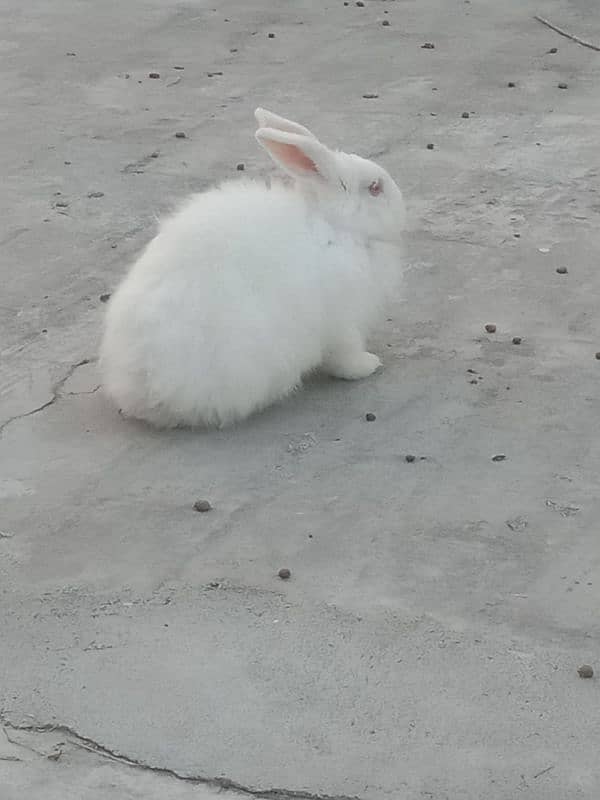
[{"x": 352, "y": 193}]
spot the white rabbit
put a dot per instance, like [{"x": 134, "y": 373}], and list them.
[{"x": 248, "y": 288}]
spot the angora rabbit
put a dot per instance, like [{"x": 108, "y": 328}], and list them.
[{"x": 247, "y": 288}]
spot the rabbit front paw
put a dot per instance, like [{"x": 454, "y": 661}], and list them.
[{"x": 352, "y": 366}]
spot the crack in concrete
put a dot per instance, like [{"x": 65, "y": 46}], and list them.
[
  {"x": 218, "y": 783},
  {"x": 56, "y": 395}
]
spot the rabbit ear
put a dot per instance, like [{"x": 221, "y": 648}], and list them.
[
  {"x": 298, "y": 155},
  {"x": 266, "y": 119}
]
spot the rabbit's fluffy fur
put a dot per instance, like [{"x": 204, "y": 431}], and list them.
[{"x": 248, "y": 288}]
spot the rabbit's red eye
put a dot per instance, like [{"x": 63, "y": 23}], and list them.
[{"x": 375, "y": 188}]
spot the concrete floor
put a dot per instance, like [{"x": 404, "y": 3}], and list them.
[{"x": 427, "y": 643}]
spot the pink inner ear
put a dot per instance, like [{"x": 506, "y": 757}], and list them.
[
  {"x": 376, "y": 188},
  {"x": 292, "y": 157}
]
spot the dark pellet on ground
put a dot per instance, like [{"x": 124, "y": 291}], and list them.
[
  {"x": 359, "y": 3},
  {"x": 598, "y": 356},
  {"x": 61, "y": 204},
  {"x": 499, "y": 457},
  {"x": 284, "y": 574},
  {"x": 585, "y": 671},
  {"x": 178, "y": 67},
  {"x": 67, "y": 163},
  {"x": 241, "y": 167},
  {"x": 409, "y": 459},
  {"x": 370, "y": 96},
  {"x": 563, "y": 85},
  {"x": 428, "y": 46},
  {"x": 430, "y": 146},
  {"x": 385, "y": 23},
  {"x": 562, "y": 270},
  {"x": 370, "y": 417},
  {"x": 553, "y": 50},
  {"x": 490, "y": 327},
  {"x": 155, "y": 154},
  {"x": 202, "y": 505},
  {"x": 233, "y": 50},
  {"x": 104, "y": 298},
  {"x": 346, "y": 3},
  {"x": 511, "y": 84},
  {"x": 180, "y": 135},
  {"x": 517, "y": 235},
  {"x": 212, "y": 74},
  {"x": 154, "y": 74},
  {"x": 95, "y": 195},
  {"x": 71, "y": 54},
  {"x": 271, "y": 36},
  {"x": 472, "y": 371},
  {"x": 474, "y": 381},
  {"x": 465, "y": 115},
  {"x": 517, "y": 340}
]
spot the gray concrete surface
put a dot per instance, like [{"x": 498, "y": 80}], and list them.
[{"x": 427, "y": 643}]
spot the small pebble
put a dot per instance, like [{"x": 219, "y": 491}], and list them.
[
  {"x": 95, "y": 194},
  {"x": 428, "y": 46},
  {"x": 563, "y": 85},
  {"x": 180, "y": 135},
  {"x": 585, "y": 671},
  {"x": 68, "y": 163},
  {"x": 155, "y": 154},
  {"x": 499, "y": 457},
  {"x": 409, "y": 459},
  {"x": 490, "y": 327},
  {"x": 430, "y": 146},
  {"x": 385, "y": 23},
  {"x": 284, "y": 574},
  {"x": 71, "y": 54},
  {"x": 474, "y": 381},
  {"x": 517, "y": 235},
  {"x": 553, "y": 50},
  {"x": 202, "y": 505},
  {"x": 370, "y": 96},
  {"x": 240, "y": 167},
  {"x": 511, "y": 85},
  {"x": 233, "y": 50},
  {"x": 465, "y": 115},
  {"x": 154, "y": 74},
  {"x": 370, "y": 417},
  {"x": 271, "y": 36},
  {"x": 359, "y": 3},
  {"x": 598, "y": 356},
  {"x": 346, "y": 3},
  {"x": 517, "y": 340},
  {"x": 178, "y": 67},
  {"x": 562, "y": 270},
  {"x": 104, "y": 298},
  {"x": 61, "y": 204}
]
